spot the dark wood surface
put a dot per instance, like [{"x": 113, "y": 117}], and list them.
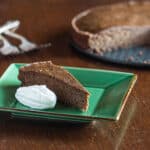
[{"x": 49, "y": 20}]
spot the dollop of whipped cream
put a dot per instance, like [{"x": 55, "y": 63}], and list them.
[{"x": 36, "y": 96}]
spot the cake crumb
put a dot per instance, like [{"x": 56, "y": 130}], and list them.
[
  {"x": 148, "y": 62},
  {"x": 130, "y": 58},
  {"x": 101, "y": 54},
  {"x": 140, "y": 53},
  {"x": 145, "y": 62}
]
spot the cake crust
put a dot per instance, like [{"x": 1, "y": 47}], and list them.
[{"x": 121, "y": 14}]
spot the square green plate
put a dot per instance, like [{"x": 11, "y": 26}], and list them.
[{"x": 108, "y": 93}]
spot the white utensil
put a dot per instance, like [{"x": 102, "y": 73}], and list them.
[
  {"x": 8, "y": 48},
  {"x": 10, "y": 25},
  {"x": 25, "y": 45}
]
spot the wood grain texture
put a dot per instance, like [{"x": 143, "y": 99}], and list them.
[{"x": 49, "y": 20}]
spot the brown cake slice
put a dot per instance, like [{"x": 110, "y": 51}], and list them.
[{"x": 68, "y": 90}]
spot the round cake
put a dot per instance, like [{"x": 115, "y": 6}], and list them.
[{"x": 110, "y": 27}]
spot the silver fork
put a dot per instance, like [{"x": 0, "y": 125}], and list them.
[
  {"x": 7, "y": 48},
  {"x": 10, "y": 25},
  {"x": 25, "y": 45}
]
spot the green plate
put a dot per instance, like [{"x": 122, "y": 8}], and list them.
[{"x": 108, "y": 93}]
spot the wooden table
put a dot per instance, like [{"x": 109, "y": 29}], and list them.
[{"x": 49, "y": 20}]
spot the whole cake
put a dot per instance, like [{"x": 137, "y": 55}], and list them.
[
  {"x": 68, "y": 90},
  {"x": 113, "y": 26}
]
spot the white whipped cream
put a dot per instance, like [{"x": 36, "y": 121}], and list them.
[{"x": 36, "y": 96}]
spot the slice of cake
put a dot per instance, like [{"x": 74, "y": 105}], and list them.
[{"x": 68, "y": 90}]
